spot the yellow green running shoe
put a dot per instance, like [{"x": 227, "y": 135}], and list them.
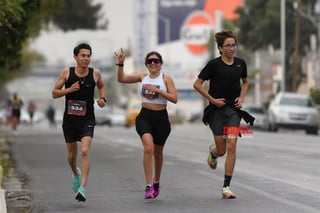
[
  {"x": 212, "y": 162},
  {"x": 227, "y": 193}
]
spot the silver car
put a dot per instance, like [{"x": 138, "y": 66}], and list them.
[
  {"x": 260, "y": 114},
  {"x": 292, "y": 110}
]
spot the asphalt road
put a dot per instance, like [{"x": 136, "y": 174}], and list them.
[{"x": 275, "y": 172}]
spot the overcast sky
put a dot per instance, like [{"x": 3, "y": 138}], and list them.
[
  {"x": 120, "y": 15},
  {"x": 57, "y": 46}
]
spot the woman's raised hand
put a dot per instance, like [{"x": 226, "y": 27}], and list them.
[{"x": 121, "y": 55}]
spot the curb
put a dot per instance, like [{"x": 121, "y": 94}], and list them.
[
  {"x": 13, "y": 197},
  {"x": 3, "y": 205}
]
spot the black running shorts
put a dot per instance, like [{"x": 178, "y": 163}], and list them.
[
  {"x": 76, "y": 131},
  {"x": 154, "y": 122},
  {"x": 222, "y": 118}
]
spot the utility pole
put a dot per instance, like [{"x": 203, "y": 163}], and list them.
[
  {"x": 296, "y": 47},
  {"x": 316, "y": 50},
  {"x": 283, "y": 45}
]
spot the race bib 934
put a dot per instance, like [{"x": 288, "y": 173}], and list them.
[{"x": 77, "y": 107}]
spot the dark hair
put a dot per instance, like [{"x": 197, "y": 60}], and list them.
[
  {"x": 77, "y": 49},
  {"x": 153, "y": 53},
  {"x": 220, "y": 37}
]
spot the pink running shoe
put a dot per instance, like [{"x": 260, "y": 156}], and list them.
[
  {"x": 156, "y": 189},
  {"x": 149, "y": 192}
]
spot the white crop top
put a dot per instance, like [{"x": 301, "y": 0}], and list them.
[{"x": 149, "y": 96}]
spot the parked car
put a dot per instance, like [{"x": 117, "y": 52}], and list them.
[
  {"x": 133, "y": 109},
  {"x": 37, "y": 117},
  {"x": 101, "y": 115},
  {"x": 260, "y": 114},
  {"x": 25, "y": 117},
  {"x": 117, "y": 117},
  {"x": 2, "y": 116},
  {"x": 292, "y": 110}
]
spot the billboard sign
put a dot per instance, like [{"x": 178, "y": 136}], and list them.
[
  {"x": 175, "y": 12},
  {"x": 195, "y": 32},
  {"x": 192, "y": 21}
]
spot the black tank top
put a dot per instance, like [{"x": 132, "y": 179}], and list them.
[{"x": 85, "y": 93}]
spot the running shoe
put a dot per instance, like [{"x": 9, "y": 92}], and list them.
[
  {"x": 76, "y": 179},
  {"x": 227, "y": 193},
  {"x": 212, "y": 162},
  {"x": 156, "y": 189},
  {"x": 81, "y": 194},
  {"x": 149, "y": 192}
]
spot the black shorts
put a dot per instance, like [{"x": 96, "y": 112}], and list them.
[
  {"x": 154, "y": 122},
  {"x": 16, "y": 113},
  {"x": 222, "y": 118},
  {"x": 75, "y": 131},
  {"x": 31, "y": 114}
]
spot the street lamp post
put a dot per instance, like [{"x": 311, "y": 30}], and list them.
[
  {"x": 167, "y": 35},
  {"x": 167, "y": 27},
  {"x": 296, "y": 47},
  {"x": 283, "y": 43}
]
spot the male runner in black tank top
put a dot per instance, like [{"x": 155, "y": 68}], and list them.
[{"x": 77, "y": 84}]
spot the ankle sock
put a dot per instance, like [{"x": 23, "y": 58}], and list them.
[{"x": 227, "y": 180}]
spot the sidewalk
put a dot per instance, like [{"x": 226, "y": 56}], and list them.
[{"x": 13, "y": 196}]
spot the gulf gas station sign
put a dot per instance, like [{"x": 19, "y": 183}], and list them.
[
  {"x": 195, "y": 32},
  {"x": 192, "y": 21}
]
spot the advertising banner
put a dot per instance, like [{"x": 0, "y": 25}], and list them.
[
  {"x": 175, "y": 12},
  {"x": 192, "y": 21}
]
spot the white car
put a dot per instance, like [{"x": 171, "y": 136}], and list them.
[
  {"x": 101, "y": 115},
  {"x": 117, "y": 117},
  {"x": 292, "y": 110},
  {"x": 260, "y": 115},
  {"x": 2, "y": 116},
  {"x": 37, "y": 117}
]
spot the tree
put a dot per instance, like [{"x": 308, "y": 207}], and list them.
[
  {"x": 21, "y": 20},
  {"x": 15, "y": 19},
  {"x": 78, "y": 14},
  {"x": 259, "y": 24}
]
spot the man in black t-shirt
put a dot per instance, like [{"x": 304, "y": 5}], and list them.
[{"x": 225, "y": 95}]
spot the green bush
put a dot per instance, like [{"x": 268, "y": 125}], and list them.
[
  {"x": 315, "y": 94},
  {"x": 6, "y": 166}
]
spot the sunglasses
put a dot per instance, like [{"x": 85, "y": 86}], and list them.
[{"x": 154, "y": 60}]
